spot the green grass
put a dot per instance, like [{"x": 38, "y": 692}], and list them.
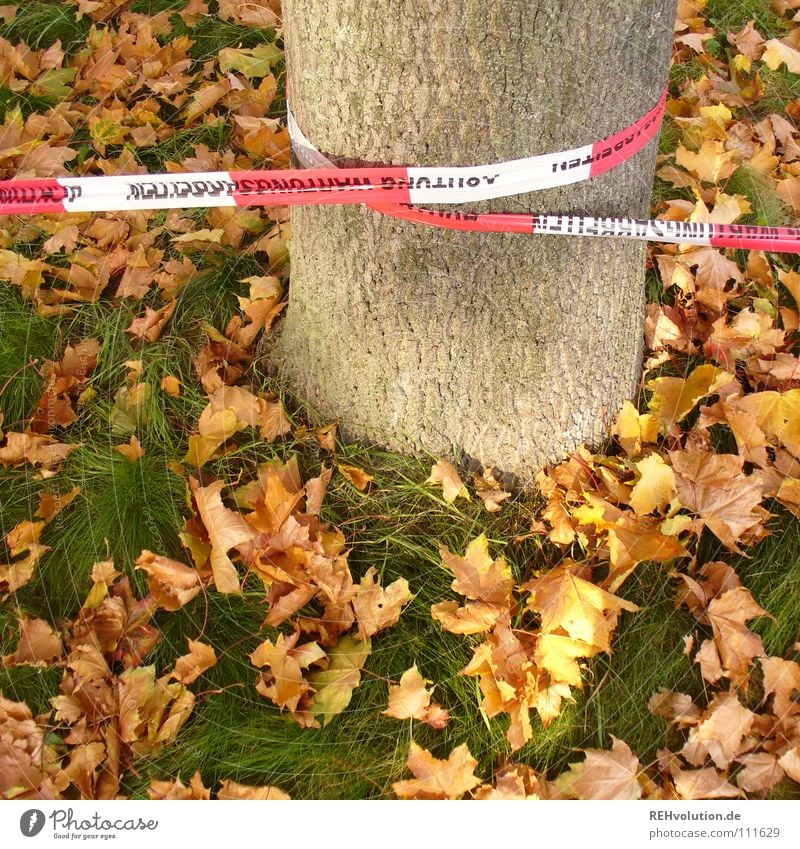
[
  {"x": 41, "y": 23},
  {"x": 731, "y": 15}
]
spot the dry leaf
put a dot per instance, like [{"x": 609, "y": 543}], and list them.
[{"x": 438, "y": 779}]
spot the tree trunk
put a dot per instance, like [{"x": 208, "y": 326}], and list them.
[{"x": 506, "y": 349}]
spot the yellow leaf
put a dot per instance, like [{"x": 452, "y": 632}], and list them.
[
  {"x": 675, "y": 397},
  {"x": 655, "y": 487},
  {"x": 777, "y": 53},
  {"x": 452, "y": 485},
  {"x": 438, "y": 779},
  {"x": 633, "y": 429},
  {"x": 358, "y": 477},
  {"x": 711, "y": 164}
]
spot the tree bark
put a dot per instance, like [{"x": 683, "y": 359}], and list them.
[{"x": 506, "y": 349}]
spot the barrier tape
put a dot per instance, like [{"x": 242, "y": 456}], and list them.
[
  {"x": 395, "y": 191},
  {"x": 389, "y": 185},
  {"x": 750, "y": 237}
]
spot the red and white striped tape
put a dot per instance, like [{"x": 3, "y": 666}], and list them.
[
  {"x": 390, "y": 185},
  {"x": 396, "y": 191}
]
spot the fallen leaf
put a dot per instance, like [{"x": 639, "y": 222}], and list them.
[
  {"x": 377, "y": 607},
  {"x": 334, "y": 686},
  {"x": 411, "y": 700},
  {"x": 358, "y": 477},
  {"x": 452, "y": 486},
  {"x": 438, "y": 779},
  {"x": 233, "y": 790},
  {"x": 190, "y": 667}
]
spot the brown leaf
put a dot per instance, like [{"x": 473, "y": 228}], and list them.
[
  {"x": 411, "y": 700},
  {"x": 452, "y": 486},
  {"x": 760, "y": 772},
  {"x": 377, "y": 607},
  {"x": 477, "y": 575},
  {"x": 50, "y": 504},
  {"x": 233, "y": 790},
  {"x": 358, "y": 477},
  {"x": 284, "y": 683},
  {"x": 326, "y": 437},
  {"x": 226, "y": 530},
  {"x": 782, "y": 681},
  {"x": 714, "y": 487},
  {"x": 132, "y": 451},
  {"x": 190, "y": 667},
  {"x": 603, "y": 775},
  {"x": 721, "y": 733},
  {"x": 38, "y": 645},
  {"x": 150, "y": 326},
  {"x": 703, "y": 784},
  {"x": 175, "y": 789},
  {"x": 736, "y": 643},
  {"x": 173, "y": 584},
  {"x": 748, "y": 41},
  {"x": 438, "y": 779}
]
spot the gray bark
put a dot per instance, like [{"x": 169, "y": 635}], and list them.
[{"x": 507, "y": 349}]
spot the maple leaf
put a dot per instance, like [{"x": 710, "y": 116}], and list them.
[
  {"x": 711, "y": 164},
  {"x": 748, "y": 41},
  {"x": 703, "y": 784},
  {"x": 28, "y": 764},
  {"x": 777, "y": 52},
  {"x": 782, "y": 681},
  {"x": 226, "y": 530},
  {"x": 334, "y": 686},
  {"x": 734, "y": 642},
  {"x": 567, "y": 602},
  {"x": 38, "y": 645},
  {"x": 452, "y": 486},
  {"x": 632, "y": 541},
  {"x": 229, "y": 789},
  {"x": 377, "y": 607},
  {"x": 50, "y": 504},
  {"x": 358, "y": 477},
  {"x": 674, "y": 707},
  {"x": 720, "y": 733},
  {"x": 438, "y": 779},
  {"x": 150, "y": 326},
  {"x": 35, "y": 449},
  {"x": 760, "y": 772},
  {"x": 131, "y": 451},
  {"x": 477, "y": 575},
  {"x": 675, "y": 397},
  {"x": 22, "y": 539},
  {"x": 411, "y": 700},
  {"x": 171, "y": 385},
  {"x": 173, "y": 584},
  {"x": 790, "y": 763},
  {"x": 633, "y": 429},
  {"x": 714, "y": 487},
  {"x": 472, "y": 618},
  {"x": 513, "y": 781},
  {"x": 190, "y": 667},
  {"x": 558, "y": 655},
  {"x": 176, "y": 789},
  {"x": 255, "y": 62},
  {"x": 603, "y": 775},
  {"x": 655, "y": 487},
  {"x": 285, "y": 684}
]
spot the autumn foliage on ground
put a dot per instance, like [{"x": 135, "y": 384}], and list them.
[{"x": 709, "y": 459}]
